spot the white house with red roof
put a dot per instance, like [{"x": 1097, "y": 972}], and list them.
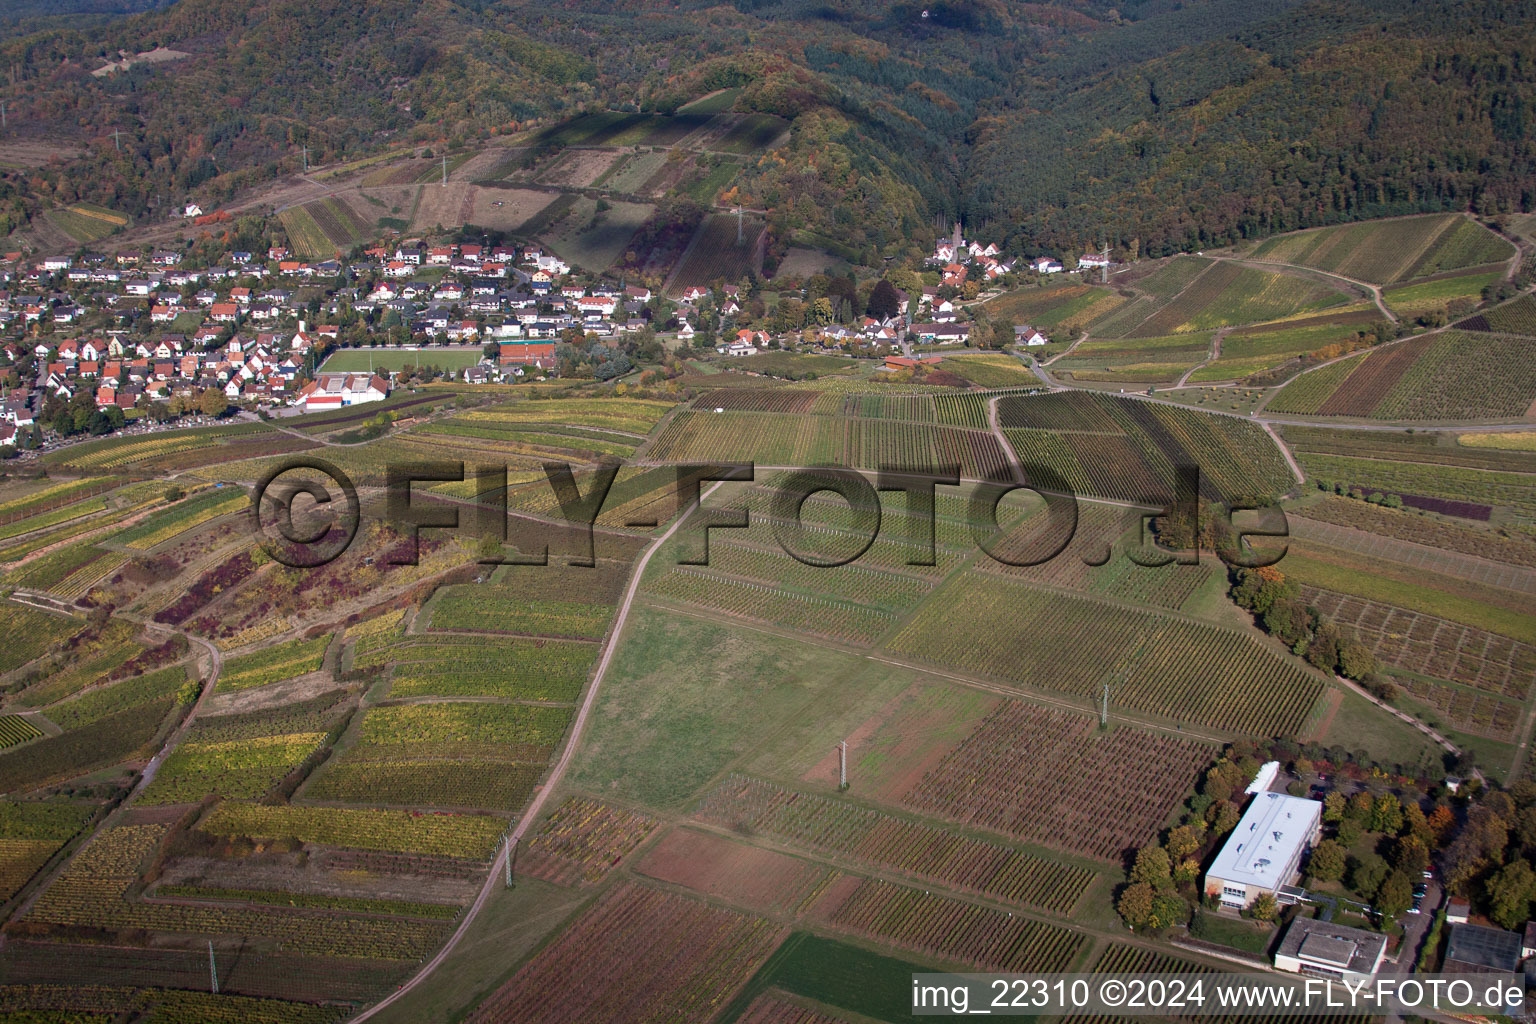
[{"x": 334, "y": 390}]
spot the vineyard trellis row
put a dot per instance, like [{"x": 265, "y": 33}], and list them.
[{"x": 886, "y": 841}]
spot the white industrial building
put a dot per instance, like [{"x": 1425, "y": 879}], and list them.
[
  {"x": 1264, "y": 851},
  {"x": 1330, "y": 950}
]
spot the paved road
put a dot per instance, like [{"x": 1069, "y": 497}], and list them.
[{"x": 552, "y": 782}]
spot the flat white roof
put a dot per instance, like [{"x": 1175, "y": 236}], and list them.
[
  {"x": 1272, "y": 830},
  {"x": 1265, "y": 778}
]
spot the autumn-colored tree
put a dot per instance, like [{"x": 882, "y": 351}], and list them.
[
  {"x": 1135, "y": 904},
  {"x": 1326, "y": 863},
  {"x": 1359, "y": 807},
  {"x": 1510, "y": 892},
  {"x": 213, "y": 402},
  {"x": 1441, "y": 822},
  {"x": 1153, "y": 867},
  {"x": 1168, "y": 911},
  {"x": 1387, "y": 815},
  {"x": 1182, "y": 842},
  {"x": 1264, "y": 907},
  {"x": 1395, "y": 895},
  {"x": 1334, "y": 806}
]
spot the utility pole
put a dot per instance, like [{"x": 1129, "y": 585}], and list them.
[
  {"x": 511, "y": 856},
  {"x": 306, "y": 159},
  {"x": 842, "y": 765},
  {"x": 1104, "y": 270},
  {"x": 213, "y": 973},
  {"x": 445, "y": 170},
  {"x": 2, "y": 113},
  {"x": 738, "y": 223},
  {"x": 115, "y": 140},
  {"x": 1104, "y": 709}
]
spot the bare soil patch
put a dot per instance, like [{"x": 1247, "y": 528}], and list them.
[
  {"x": 747, "y": 875},
  {"x": 578, "y": 168},
  {"x": 507, "y": 209}
]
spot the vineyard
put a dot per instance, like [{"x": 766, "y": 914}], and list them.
[
  {"x": 546, "y": 670},
  {"x": 1517, "y": 317},
  {"x": 442, "y": 755},
  {"x": 992, "y": 371},
  {"x": 111, "y": 740},
  {"x": 182, "y": 518},
  {"x": 242, "y": 769},
  {"x": 96, "y": 891},
  {"x": 1389, "y": 251},
  {"x": 182, "y": 449},
  {"x": 305, "y": 235},
  {"x": 582, "y": 841},
  {"x": 1394, "y": 524},
  {"x": 26, "y": 633},
  {"x": 887, "y": 842},
  {"x": 92, "y": 656},
  {"x": 505, "y": 609},
  {"x": 30, "y": 834},
  {"x": 468, "y": 836},
  {"x": 15, "y": 729},
  {"x": 104, "y": 702},
  {"x": 951, "y": 929},
  {"x": 635, "y": 954},
  {"x": 1226, "y": 294},
  {"x": 692, "y": 436},
  {"x": 762, "y": 602},
  {"x": 1121, "y": 959},
  {"x": 1433, "y": 646},
  {"x": 716, "y": 255},
  {"x": 1127, "y": 449},
  {"x": 1138, "y": 360},
  {"x": 1179, "y": 669},
  {"x": 1042, "y": 776},
  {"x": 1100, "y": 529},
  {"x": 282, "y": 661},
  {"x": 97, "y": 1004}
]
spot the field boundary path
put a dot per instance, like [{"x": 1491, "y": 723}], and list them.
[
  {"x": 552, "y": 781},
  {"x": 1210, "y": 357}
]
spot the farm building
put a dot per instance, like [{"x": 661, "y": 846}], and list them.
[
  {"x": 333, "y": 390},
  {"x": 527, "y": 353},
  {"x": 1332, "y": 950},
  {"x": 1264, "y": 851}
]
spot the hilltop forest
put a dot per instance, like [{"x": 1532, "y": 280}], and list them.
[{"x": 1153, "y": 125}]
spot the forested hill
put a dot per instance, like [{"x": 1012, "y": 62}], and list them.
[
  {"x": 1153, "y": 124},
  {"x": 1331, "y": 111}
]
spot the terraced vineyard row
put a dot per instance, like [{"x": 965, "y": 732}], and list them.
[
  {"x": 1433, "y": 646},
  {"x": 1041, "y": 775},
  {"x": 692, "y": 436},
  {"x": 1453, "y": 375},
  {"x": 1187, "y": 671},
  {"x": 94, "y": 891},
  {"x": 272, "y": 664},
  {"x": 836, "y": 620},
  {"x": 470, "y": 836},
  {"x": 1126, "y": 449},
  {"x": 884, "y": 841},
  {"x": 642, "y": 955},
  {"x": 954, "y": 930},
  {"x": 582, "y": 840}
]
